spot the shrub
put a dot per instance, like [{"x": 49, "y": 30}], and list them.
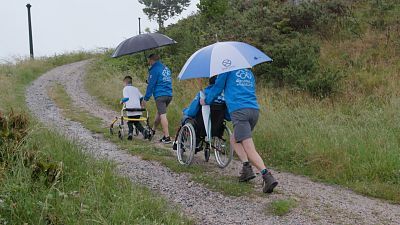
[
  {"x": 212, "y": 9},
  {"x": 325, "y": 83},
  {"x": 295, "y": 62},
  {"x": 296, "y": 65}
]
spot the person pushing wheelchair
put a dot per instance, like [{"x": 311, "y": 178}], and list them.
[
  {"x": 217, "y": 110},
  {"x": 240, "y": 96}
]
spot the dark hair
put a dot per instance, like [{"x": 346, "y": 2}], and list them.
[
  {"x": 154, "y": 57},
  {"x": 128, "y": 79},
  {"x": 212, "y": 80}
]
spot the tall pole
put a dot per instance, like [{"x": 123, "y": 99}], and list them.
[
  {"x": 28, "y": 6},
  {"x": 140, "y": 29}
]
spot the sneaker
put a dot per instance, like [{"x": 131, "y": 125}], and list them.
[
  {"x": 166, "y": 140},
  {"x": 153, "y": 131},
  {"x": 246, "y": 174},
  {"x": 146, "y": 134},
  {"x": 269, "y": 183},
  {"x": 130, "y": 137}
]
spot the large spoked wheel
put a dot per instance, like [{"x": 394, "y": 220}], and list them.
[
  {"x": 223, "y": 149},
  {"x": 186, "y": 144}
]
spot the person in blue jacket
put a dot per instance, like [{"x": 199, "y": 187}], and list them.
[
  {"x": 195, "y": 106},
  {"x": 240, "y": 95},
  {"x": 218, "y": 113},
  {"x": 159, "y": 86}
]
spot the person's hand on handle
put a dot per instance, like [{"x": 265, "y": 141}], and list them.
[
  {"x": 202, "y": 98},
  {"x": 143, "y": 103}
]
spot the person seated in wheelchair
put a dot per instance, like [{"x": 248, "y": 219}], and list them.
[
  {"x": 194, "y": 115},
  {"x": 132, "y": 98}
]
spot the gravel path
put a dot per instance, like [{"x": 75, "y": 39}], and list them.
[{"x": 317, "y": 203}]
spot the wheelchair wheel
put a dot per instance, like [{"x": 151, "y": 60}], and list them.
[
  {"x": 186, "y": 144},
  {"x": 222, "y": 148}
]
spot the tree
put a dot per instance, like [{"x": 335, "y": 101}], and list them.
[{"x": 161, "y": 10}]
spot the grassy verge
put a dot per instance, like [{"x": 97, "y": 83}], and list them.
[
  {"x": 281, "y": 207},
  {"x": 45, "y": 179},
  {"x": 351, "y": 139},
  {"x": 225, "y": 184},
  {"x": 87, "y": 191}
]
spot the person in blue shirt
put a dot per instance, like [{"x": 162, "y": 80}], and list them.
[
  {"x": 218, "y": 113},
  {"x": 195, "y": 106},
  {"x": 239, "y": 88},
  {"x": 159, "y": 86}
]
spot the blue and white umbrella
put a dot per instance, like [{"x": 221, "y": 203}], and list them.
[{"x": 222, "y": 57}]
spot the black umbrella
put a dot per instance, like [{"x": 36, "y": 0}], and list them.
[{"x": 142, "y": 42}]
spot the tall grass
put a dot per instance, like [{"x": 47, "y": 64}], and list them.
[{"x": 87, "y": 191}]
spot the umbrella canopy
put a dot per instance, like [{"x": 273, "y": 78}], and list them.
[
  {"x": 142, "y": 42},
  {"x": 222, "y": 57}
]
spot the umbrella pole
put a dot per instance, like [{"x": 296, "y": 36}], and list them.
[{"x": 140, "y": 32}]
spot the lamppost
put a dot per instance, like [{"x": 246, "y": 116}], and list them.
[
  {"x": 140, "y": 30},
  {"x": 28, "y": 6}
]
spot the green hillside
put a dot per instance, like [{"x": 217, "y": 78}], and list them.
[{"x": 330, "y": 99}]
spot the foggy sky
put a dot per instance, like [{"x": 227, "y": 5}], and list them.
[{"x": 63, "y": 26}]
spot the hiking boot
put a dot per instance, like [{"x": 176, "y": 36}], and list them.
[
  {"x": 269, "y": 183},
  {"x": 166, "y": 140},
  {"x": 129, "y": 137},
  {"x": 246, "y": 174}
]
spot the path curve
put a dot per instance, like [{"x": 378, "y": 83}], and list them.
[{"x": 318, "y": 203}]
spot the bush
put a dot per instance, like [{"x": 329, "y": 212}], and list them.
[
  {"x": 295, "y": 62},
  {"x": 325, "y": 83},
  {"x": 296, "y": 65},
  {"x": 212, "y": 9}
]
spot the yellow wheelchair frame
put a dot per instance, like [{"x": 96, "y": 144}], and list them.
[{"x": 123, "y": 117}]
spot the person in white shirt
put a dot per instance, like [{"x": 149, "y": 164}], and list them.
[{"x": 132, "y": 98}]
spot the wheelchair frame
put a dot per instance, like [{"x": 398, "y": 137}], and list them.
[{"x": 206, "y": 145}]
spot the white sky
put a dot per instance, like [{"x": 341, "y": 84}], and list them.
[{"x": 62, "y": 26}]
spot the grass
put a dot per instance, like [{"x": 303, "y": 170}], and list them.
[
  {"x": 350, "y": 139},
  {"x": 224, "y": 184},
  {"x": 14, "y": 78},
  {"x": 88, "y": 191},
  {"x": 281, "y": 207},
  {"x": 45, "y": 179}
]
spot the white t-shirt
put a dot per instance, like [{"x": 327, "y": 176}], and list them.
[{"x": 134, "y": 96}]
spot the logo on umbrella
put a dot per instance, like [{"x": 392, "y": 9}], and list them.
[{"x": 227, "y": 62}]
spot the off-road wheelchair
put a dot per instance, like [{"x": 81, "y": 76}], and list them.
[
  {"x": 119, "y": 122},
  {"x": 192, "y": 137}
]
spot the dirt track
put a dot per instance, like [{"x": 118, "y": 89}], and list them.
[{"x": 317, "y": 203}]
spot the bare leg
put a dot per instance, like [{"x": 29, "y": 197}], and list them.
[
  {"x": 239, "y": 150},
  {"x": 164, "y": 124},
  {"x": 156, "y": 121},
  {"x": 252, "y": 154}
]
